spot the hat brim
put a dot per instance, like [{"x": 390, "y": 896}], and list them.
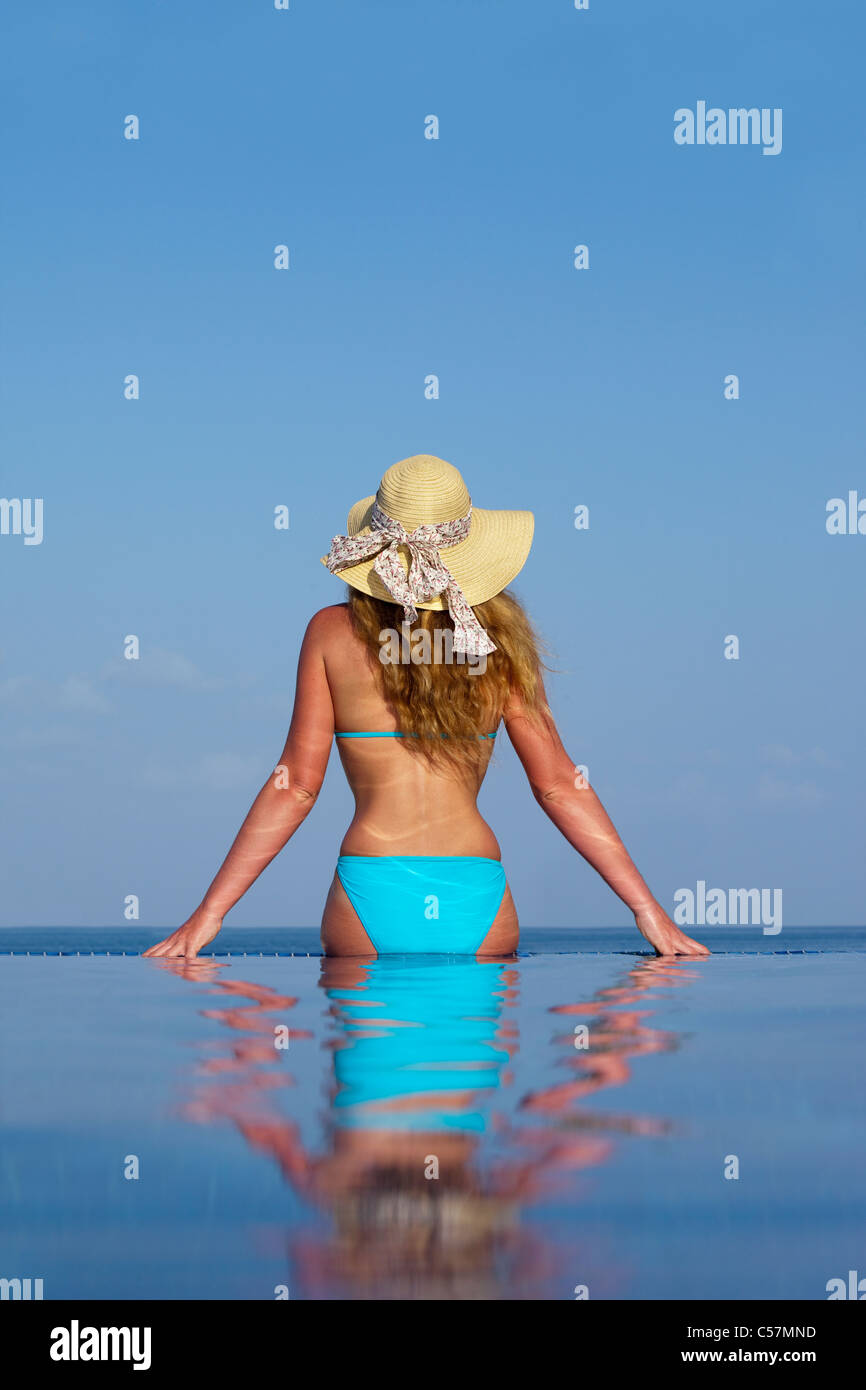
[{"x": 491, "y": 556}]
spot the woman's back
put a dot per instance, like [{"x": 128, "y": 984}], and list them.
[{"x": 404, "y": 804}]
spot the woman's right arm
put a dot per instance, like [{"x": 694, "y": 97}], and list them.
[
  {"x": 283, "y": 803},
  {"x": 569, "y": 801}
]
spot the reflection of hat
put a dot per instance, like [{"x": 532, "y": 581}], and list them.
[{"x": 427, "y": 492}]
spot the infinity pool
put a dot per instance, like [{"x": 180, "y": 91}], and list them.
[{"x": 578, "y": 1123}]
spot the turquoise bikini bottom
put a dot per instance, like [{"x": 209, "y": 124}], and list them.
[{"x": 423, "y": 903}]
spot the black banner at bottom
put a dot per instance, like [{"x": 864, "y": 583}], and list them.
[{"x": 70, "y": 1338}]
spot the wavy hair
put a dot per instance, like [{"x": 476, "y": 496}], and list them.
[{"x": 449, "y": 703}]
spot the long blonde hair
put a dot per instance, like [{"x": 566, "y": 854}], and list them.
[{"x": 450, "y": 704}]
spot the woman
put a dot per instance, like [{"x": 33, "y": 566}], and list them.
[{"x": 413, "y": 677}]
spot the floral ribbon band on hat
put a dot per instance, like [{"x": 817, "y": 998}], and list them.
[{"x": 427, "y": 576}]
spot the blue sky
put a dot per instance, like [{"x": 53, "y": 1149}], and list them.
[{"x": 558, "y": 387}]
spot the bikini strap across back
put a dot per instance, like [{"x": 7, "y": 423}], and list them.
[{"x": 389, "y": 733}]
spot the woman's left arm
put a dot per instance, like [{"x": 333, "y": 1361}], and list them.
[
  {"x": 283, "y": 803},
  {"x": 577, "y": 812}
]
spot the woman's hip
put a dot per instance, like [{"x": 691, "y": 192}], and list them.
[{"x": 451, "y": 904}]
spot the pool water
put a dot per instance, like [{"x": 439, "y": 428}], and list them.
[{"x": 579, "y": 1123}]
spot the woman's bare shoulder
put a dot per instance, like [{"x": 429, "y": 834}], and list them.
[
  {"x": 331, "y": 640},
  {"x": 329, "y": 624}
]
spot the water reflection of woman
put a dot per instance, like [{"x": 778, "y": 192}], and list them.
[{"x": 425, "y": 1171}]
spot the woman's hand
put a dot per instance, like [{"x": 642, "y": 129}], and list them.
[
  {"x": 664, "y": 935},
  {"x": 197, "y": 932}
]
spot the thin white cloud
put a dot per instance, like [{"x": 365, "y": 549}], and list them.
[
  {"x": 780, "y": 755},
  {"x": 14, "y": 688},
  {"x": 78, "y": 693},
  {"x": 213, "y": 771},
  {"x": 159, "y": 666},
  {"x": 784, "y": 792},
  {"x": 73, "y": 692},
  {"x": 64, "y": 735}
]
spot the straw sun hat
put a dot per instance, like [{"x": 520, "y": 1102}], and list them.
[{"x": 426, "y": 491}]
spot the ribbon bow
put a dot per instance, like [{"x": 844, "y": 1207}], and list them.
[{"x": 427, "y": 575}]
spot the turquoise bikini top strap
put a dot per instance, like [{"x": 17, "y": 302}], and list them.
[
  {"x": 375, "y": 734},
  {"x": 388, "y": 733}
]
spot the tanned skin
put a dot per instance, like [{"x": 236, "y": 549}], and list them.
[{"x": 403, "y": 806}]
